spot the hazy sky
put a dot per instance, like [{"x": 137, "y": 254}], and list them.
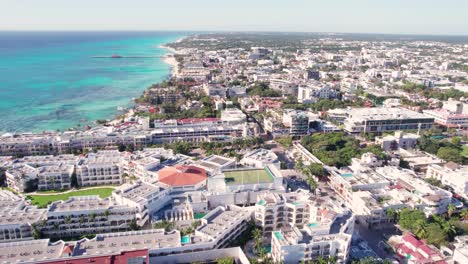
[{"x": 369, "y": 16}]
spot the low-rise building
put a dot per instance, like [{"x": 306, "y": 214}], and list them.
[
  {"x": 399, "y": 140},
  {"x": 259, "y": 158}
]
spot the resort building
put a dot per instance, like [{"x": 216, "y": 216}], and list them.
[
  {"x": 83, "y": 215},
  {"x": 146, "y": 197},
  {"x": 182, "y": 178},
  {"x": 246, "y": 179},
  {"x": 17, "y": 218},
  {"x": 101, "y": 168}
]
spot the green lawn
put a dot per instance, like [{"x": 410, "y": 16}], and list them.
[
  {"x": 465, "y": 151},
  {"x": 43, "y": 200},
  {"x": 247, "y": 176}
]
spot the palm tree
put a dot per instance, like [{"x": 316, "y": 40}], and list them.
[
  {"x": 106, "y": 213},
  {"x": 391, "y": 214},
  {"x": 464, "y": 214},
  {"x": 312, "y": 183},
  {"x": 451, "y": 209},
  {"x": 67, "y": 219},
  {"x": 420, "y": 231},
  {"x": 257, "y": 237},
  {"x": 92, "y": 216},
  {"x": 449, "y": 229}
]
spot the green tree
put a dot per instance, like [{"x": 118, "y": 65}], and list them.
[
  {"x": 451, "y": 209},
  {"x": 449, "y": 154},
  {"x": 317, "y": 169},
  {"x": 257, "y": 237},
  {"x": 464, "y": 214},
  {"x": 409, "y": 218},
  {"x": 225, "y": 260},
  {"x": 312, "y": 183}
]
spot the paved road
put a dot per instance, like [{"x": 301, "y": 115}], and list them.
[{"x": 376, "y": 238}]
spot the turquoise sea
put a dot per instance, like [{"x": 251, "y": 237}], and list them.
[{"x": 50, "y": 80}]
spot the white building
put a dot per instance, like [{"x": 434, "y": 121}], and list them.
[
  {"x": 83, "y": 215},
  {"x": 147, "y": 197},
  {"x": 453, "y": 175},
  {"x": 17, "y": 218},
  {"x": 374, "y": 120},
  {"x": 101, "y": 168},
  {"x": 399, "y": 140},
  {"x": 259, "y": 158}
]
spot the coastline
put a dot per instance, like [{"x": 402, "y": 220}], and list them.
[{"x": 168, "y": 59}]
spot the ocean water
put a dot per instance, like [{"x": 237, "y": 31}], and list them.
[{"x": 50, "y": 80}]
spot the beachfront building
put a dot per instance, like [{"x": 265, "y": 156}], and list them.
[
  {"x": 101, "y": 168},
  {"x": 17, "y": 218},
  {"x": 379, "y": 119},
  {"x": 197, "y": 132},
  {"x": 84, "y": 215},
  {"x": 22, "y": 178}
]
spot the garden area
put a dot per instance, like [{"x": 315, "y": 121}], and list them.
[{"x": 41, "y": 200}]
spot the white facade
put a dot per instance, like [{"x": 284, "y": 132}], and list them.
[{"x": 101, "y": 168}]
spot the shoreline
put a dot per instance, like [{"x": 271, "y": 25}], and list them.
[
  {"x": 169, "y": 59},
  {"x": 116, "y": 117}
]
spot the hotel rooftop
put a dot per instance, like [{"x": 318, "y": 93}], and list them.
[{"x": 113, "y": 243}]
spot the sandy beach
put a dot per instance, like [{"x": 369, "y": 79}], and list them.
[{"x": 170, "y": 59}]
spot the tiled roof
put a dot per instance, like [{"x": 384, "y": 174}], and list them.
[{"x": 182, "y": 175}]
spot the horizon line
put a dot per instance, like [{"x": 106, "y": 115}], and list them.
[{"x": 231, "y": 31}]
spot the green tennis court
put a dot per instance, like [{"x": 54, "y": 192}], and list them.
[{"x": 248, "y": 176}]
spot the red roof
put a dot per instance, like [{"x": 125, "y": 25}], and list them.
[
  {"x": 182, "y": 175},
  {"x": 412, "y": 240}
]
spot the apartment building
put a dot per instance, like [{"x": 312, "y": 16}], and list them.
[
  {"x": 380, "y": 119},
  {"x": 301, "y": 228},
  {"x": 451, "y": 174},
  {"x": 313, "y": 92},
  {"x": 101, "y": 168},
  {"x": 82, "y": 215},
  {"x": 297, "y": 122}
]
